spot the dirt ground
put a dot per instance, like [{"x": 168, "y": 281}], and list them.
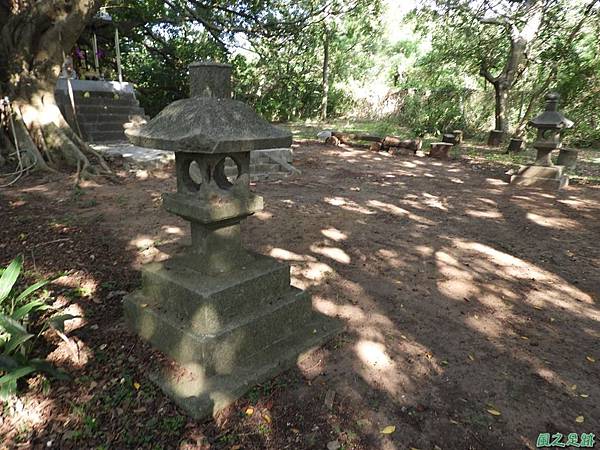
[{"x": 471, "y": 308}]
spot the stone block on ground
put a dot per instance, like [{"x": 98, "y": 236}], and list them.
[
  {"x": 567, "y": 157},
  {"x": 440, "y": 150},
  {"x": 550, "y": 177}
]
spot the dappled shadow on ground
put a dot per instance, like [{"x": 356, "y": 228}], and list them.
[{"x": 461, "y": 295}]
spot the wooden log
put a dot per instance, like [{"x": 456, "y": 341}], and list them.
[
  {"x": 347, "y": 138},
  {"x": 440, "y": 150},
  {"x": 401, "y": 151},
  {"x": 393, "y": 141},
  {"x": 332, "y": 140}
]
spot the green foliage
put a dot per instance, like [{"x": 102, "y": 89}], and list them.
[
  {"x": 16, "y": 340},
  {"x": 276, "y": 50}
]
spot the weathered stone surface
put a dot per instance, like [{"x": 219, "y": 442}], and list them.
[
  {"x": 228, "y": 317},
  {"x": 567, "y": 157},
  {"x": 205, "y": 302},
  {"x": 440, "y": 150},
  {"x": 210, "y": 79},
  {"x": 495, "y": 138},
  {"x": 209, "y": 125},
  {"x": 554, "y": 172},
  {"x": 539, "y": 176},
  {"x": 201, "y": 395},
  {"x": 516, "y": 145}
]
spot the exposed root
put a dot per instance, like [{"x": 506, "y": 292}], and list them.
[
  {"x": 86, "y": 149},
  {"x": 27, "y": 146},
  {"x": 65, "y": 149}
]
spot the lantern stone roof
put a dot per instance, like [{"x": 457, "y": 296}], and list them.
[
  {"x": 551, "y": 117},
  {"x": 209, "y": 125}
]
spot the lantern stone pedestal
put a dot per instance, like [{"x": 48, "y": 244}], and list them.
[
  {"x": 227, "y": 317},
  {"x": 542, "y": 173},
  {"x": 551, "y": 177}
]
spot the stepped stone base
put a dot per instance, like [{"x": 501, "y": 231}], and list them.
[
  {"x": 550, "y": 177},
  {"x": 226, "y": 332}
]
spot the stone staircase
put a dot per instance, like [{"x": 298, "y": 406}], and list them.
[
  {"x": 101, "y": 111},
  {"x": 264, "y": 165}
]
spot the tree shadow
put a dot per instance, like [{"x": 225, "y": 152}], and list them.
[{"x": 461, "y": 295}]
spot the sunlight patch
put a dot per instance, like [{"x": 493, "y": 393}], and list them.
[
  {"x": 337, "y": 254},
  {"x": 334, "y": 234}
]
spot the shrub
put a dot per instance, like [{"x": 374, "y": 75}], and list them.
[{"x": 17, "y": 342}]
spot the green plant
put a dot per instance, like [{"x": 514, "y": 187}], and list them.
[{"x": 16, "y": 340}]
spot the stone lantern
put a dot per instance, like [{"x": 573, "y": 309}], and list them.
[
  {"x": 227, "y": 317},
  {"x": 542, "y": 172}
]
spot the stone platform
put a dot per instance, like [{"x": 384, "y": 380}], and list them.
[
  {"x": 264, "y": 164},
  {"x": 551, "y": 177},
  {"x": 227, "y": 332}
]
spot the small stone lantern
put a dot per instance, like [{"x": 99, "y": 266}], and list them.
[
  {"x": 227, "y": 317},
  {"x": 549, "y": 125},
  {"x": 542, "y": 173}
]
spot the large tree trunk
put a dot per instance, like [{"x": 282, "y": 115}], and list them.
[
  {"x": 501, "y": 91},
  {"x": 520, "y": 40},
  {"x": 35, "y": 36}
]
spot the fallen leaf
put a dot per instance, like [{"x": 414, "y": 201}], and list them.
[
  {"x": 539, "y": 308},
  {"x": 236, "y": 447},
  {"x": 249, "y": 411},
  {"x": 295, "y": 430},
  {"x": 103, "y": 346},
  {"x": 524, "y": 338},
  {"x": 494, "y": 412},
  {"x": 454, "y": 422},
  {"x": 579, "y": 419},
  {"x": 584, "y": 395},
  {"x": 471, "y": 357},
  {"x": 137, "y": 386},
  {"x": 590, "y": 359},
  {"x": 574, "y": 387},
  {"x": 389, "y": 429},
  {"x": 267, "y": 418},
  {"x": 444, "y": 363}
]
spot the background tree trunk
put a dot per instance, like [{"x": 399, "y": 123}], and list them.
[{"x": 325, "y": 80}]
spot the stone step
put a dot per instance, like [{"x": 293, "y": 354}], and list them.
[
  {"x": 254, "y": 168},
  {"x": 268, "y": 176},
  {"x": 232, "y": 345},
  {"x": 106, "y": 136},
  {"x": 101, "y": 102},
  {"x": 201, "y": 396},
  {"x": 211, "y": 302},
  {"x": 105, "y": 119},
  {"x": 94, "y": 110},
  {"x": 107, "y": 125}
]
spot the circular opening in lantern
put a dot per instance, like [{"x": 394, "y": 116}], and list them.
[
  {"x": 195, "y": 174},
  {"x": 227, "y": 171}
]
